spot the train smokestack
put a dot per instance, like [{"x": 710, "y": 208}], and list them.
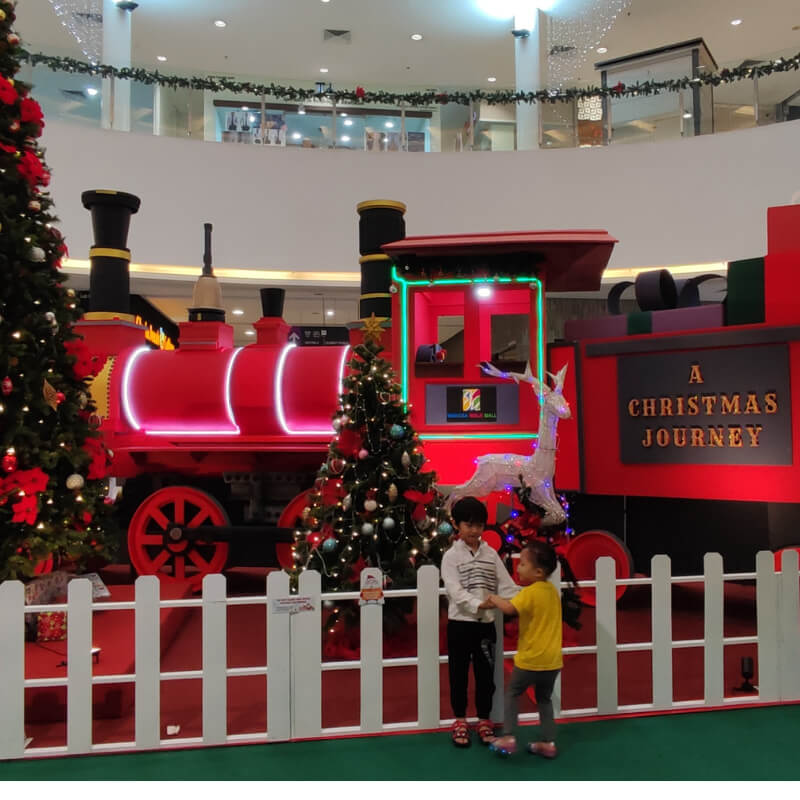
[
  {"x": 207, "y": 296},
  {"x": 109, "y": 278},
  {"x": 272, "y": 302},
  {"x": 381, "y": 222}
]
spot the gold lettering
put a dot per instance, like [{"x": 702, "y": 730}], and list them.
[
  {"x": 679, "y": 435},
  {"x": 666, "y": 407},
  {"x": 648, "y": 438},
  {"x": 695, "y": 376},
  {"x": 716, "y": 436},
  {"x": 649, "y": 407},
  {"x": 709, "y": 401},
  {"x": 633, "y": 408},
  {"x": 692, "y": 405},
  {"x": 771, "y": 402},
  {"x": 752, "y": 406},
  {"x": 754, "y": 431},
  {"x": 662, "y": 437},
  {"x": 735, "y": 436},
  {"x": 698, "y": 437},
  {"x": 680, "y": 412},
  {"x": 730, "y": 405}
]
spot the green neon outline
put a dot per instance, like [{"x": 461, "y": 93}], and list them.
[{"x": 404, "y": 284}]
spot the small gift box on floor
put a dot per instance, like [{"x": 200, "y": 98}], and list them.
[{"x": 51, "y": 626}]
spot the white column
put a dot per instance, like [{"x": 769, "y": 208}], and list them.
[
  {"x": 530, "y": 63},
  {"x": 116, "y": 108}
]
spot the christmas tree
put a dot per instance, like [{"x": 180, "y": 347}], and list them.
[
  {"x": 372, "y": 504},
  {"x": 51, "y": 487}
]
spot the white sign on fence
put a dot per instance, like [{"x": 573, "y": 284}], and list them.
[{"x": 292, "y": 605}]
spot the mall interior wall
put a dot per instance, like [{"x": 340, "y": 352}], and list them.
[{"x": 679, "y": 202}]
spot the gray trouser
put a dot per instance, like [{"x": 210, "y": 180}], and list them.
[{"x": 543, "y": 683}]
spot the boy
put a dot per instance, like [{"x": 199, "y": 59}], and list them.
[
  {"x": 539, "y": 659},
  {"x": 471, "y": 571}
]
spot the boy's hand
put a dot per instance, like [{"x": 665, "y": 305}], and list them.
[{"x": 487, "y": 603}]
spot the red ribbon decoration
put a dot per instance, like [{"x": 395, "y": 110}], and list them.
[{"x": 421, "y": 500}]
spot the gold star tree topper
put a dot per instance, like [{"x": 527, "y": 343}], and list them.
[{"x": 372, "y": 328}]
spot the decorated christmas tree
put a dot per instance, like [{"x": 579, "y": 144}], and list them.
[
  {"x": 51, "y": 460},
  {"x": 372, "y": 504}
]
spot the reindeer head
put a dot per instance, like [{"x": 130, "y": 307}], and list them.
[{"x": 552, "y": 400}]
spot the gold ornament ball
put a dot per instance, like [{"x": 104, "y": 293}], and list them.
[{"x": 75, "y": 481}]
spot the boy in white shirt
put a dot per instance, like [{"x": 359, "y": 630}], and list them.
[{"x": 471, "y": 571}]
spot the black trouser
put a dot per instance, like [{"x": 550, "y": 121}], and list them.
[
  {"x": 543, "y": 683},
  {"x": 471, "y": 641}
]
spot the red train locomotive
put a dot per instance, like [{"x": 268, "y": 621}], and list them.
[{"x": 218, "y": 444}]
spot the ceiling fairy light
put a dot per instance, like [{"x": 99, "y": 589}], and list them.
[
  {"x": 574, "y": 36},
  {"x": 84, "y": 20}
]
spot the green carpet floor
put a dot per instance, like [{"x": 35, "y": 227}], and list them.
[{"x": 745, "y": 744}]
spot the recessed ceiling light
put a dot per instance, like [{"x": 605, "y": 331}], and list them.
[
  {"x": 91, "y": 91},
  {"x": 297, "y": 135},
  {"x": 323, "y": 69},
  {"x": 388, "y": 124},
  {"x": 325, "y": 1},
  {"x": 330, "y": 312},
  {"x": 687, "y": 114},
  {"x": 249, "y": 333},
  {"x": 736, "y": 22},
  {"x": 238, "y": 312},
  {"x": 301, "y": 109},
  {"x": 491, "y": 79},
  {"x": 161, "y": 58},
  {"x": 417, "y": 37},
  {"x": 348, "y": 122},
  {"x": 220, "y": 23},
  {"x": 602, "y": 50},
  {"x": 345, "y": 138},
  {"x": 245, "y": 108},
  {"x": 342, "y": 113}
]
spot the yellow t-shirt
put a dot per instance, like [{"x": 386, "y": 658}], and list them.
[{"x": 539, "y": 609}]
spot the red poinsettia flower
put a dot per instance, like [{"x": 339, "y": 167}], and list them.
[
  {"x": 31, "y": 169},
  {"x": 8, "y": 94},
  {"x": 25, "y": 509},
  {"x": 360, "y": 91},
  {"x": 8, "y": 148},
  {"x": 85, "y": 364},
  {"x": 421, "y": 501},
  {"x": 86, "y": 517},
  {"x": 29, "y": 480},
  {"x": 31, "y": 111},
  {"x": 98, "y": 455}
]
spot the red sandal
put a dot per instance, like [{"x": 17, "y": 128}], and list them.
[
  {"x": 485, "y": 731},
  {"x": 459, "y": 733}
]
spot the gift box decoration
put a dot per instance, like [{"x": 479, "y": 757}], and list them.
[{"x": 51, "y": 626}]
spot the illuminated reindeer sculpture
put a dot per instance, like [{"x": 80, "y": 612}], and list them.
[{"x": 498, "y": 471}]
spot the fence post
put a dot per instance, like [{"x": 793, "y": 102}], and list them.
[
  {"x": 279, "y": 655},
  {"x": 371, "y": 658},
  {"x": 12, "y": 669},
  {"x": 148, "y": 662},
  {"x": 713, "y": 662},
  {"x": 606, "y": 622},
  {"x": 789, "y": 627},
  {"x": 767, "y": 626},
  {"x": 428, "y": 712},
  {"x": 215, "y": 660},
  {"x": 307, "y": 661},
  {"x": 661, "y": 601},
  {"x": 79, "y": 666}
]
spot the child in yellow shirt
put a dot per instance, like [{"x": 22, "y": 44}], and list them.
[{"x": 538, "y": 660}]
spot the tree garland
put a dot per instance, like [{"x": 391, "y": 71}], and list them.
[{"x": 420, "y": 98}]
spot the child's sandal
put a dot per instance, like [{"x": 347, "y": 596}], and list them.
[
  {"x": 485, "y": 731},
  {"x": 504, "y": 746},
  {"x": 459, "y": 733}
]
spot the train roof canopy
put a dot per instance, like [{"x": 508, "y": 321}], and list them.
[{"x": 568, "y": 261}]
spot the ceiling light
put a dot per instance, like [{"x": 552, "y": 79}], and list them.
[
  {"x": 687, "y": 114},
  {"x": 345, "y": 138},
  {"x": 323, "y": 69},
  {"x": 483, "y": 291},
  {"x": 252, "y": 118},
  {"x": 297, "y": 135},
  {"x": 736, "y": 22},
  {"x": 249, "y": 333},
  {"x": 325, "y": 1},
  {"x": 91, "y": 91},
  {"x": 220, "y": 23},
  {"x": 342, "y": 113},
  {"x": 348, "y": 122},
  {"x": 161, "y": 58},
  {"x": 238, "y": 312},
  {"x": 417, "y": 37},
  {"x": 602, "y": 50},
  {"x": 388, "y": 124},
  {"x": 329, "y": 312},
  {"x": 245, "y": 108},
  {"x": 301, "y": 109},
  {"x": 491, "y": 79}
]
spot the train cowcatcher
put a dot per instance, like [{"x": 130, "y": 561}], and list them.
[{"x": 679, "y": 434}]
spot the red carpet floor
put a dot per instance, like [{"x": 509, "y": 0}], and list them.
[{"x": 181, "y": 650}]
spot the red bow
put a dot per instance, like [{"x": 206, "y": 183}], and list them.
[{"x": 421, "y": 500}]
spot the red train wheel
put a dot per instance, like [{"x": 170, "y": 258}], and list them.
[
  {"x": 586, "y": 548},
  {"x": 291, "y": 517},
  {"x": 157, "y": 547}
]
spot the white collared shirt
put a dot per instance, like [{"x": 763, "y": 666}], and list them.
[{"x": 469, "y": 578}]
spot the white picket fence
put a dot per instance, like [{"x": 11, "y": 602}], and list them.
[{"x": 293, "y": 661}]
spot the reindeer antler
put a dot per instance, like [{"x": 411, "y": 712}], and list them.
[{"x": 526, "y": 376}]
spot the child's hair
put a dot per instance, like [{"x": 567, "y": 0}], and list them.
[
  {"x": 470, "y": 509},
  {"x": 543, "y": 555}
]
